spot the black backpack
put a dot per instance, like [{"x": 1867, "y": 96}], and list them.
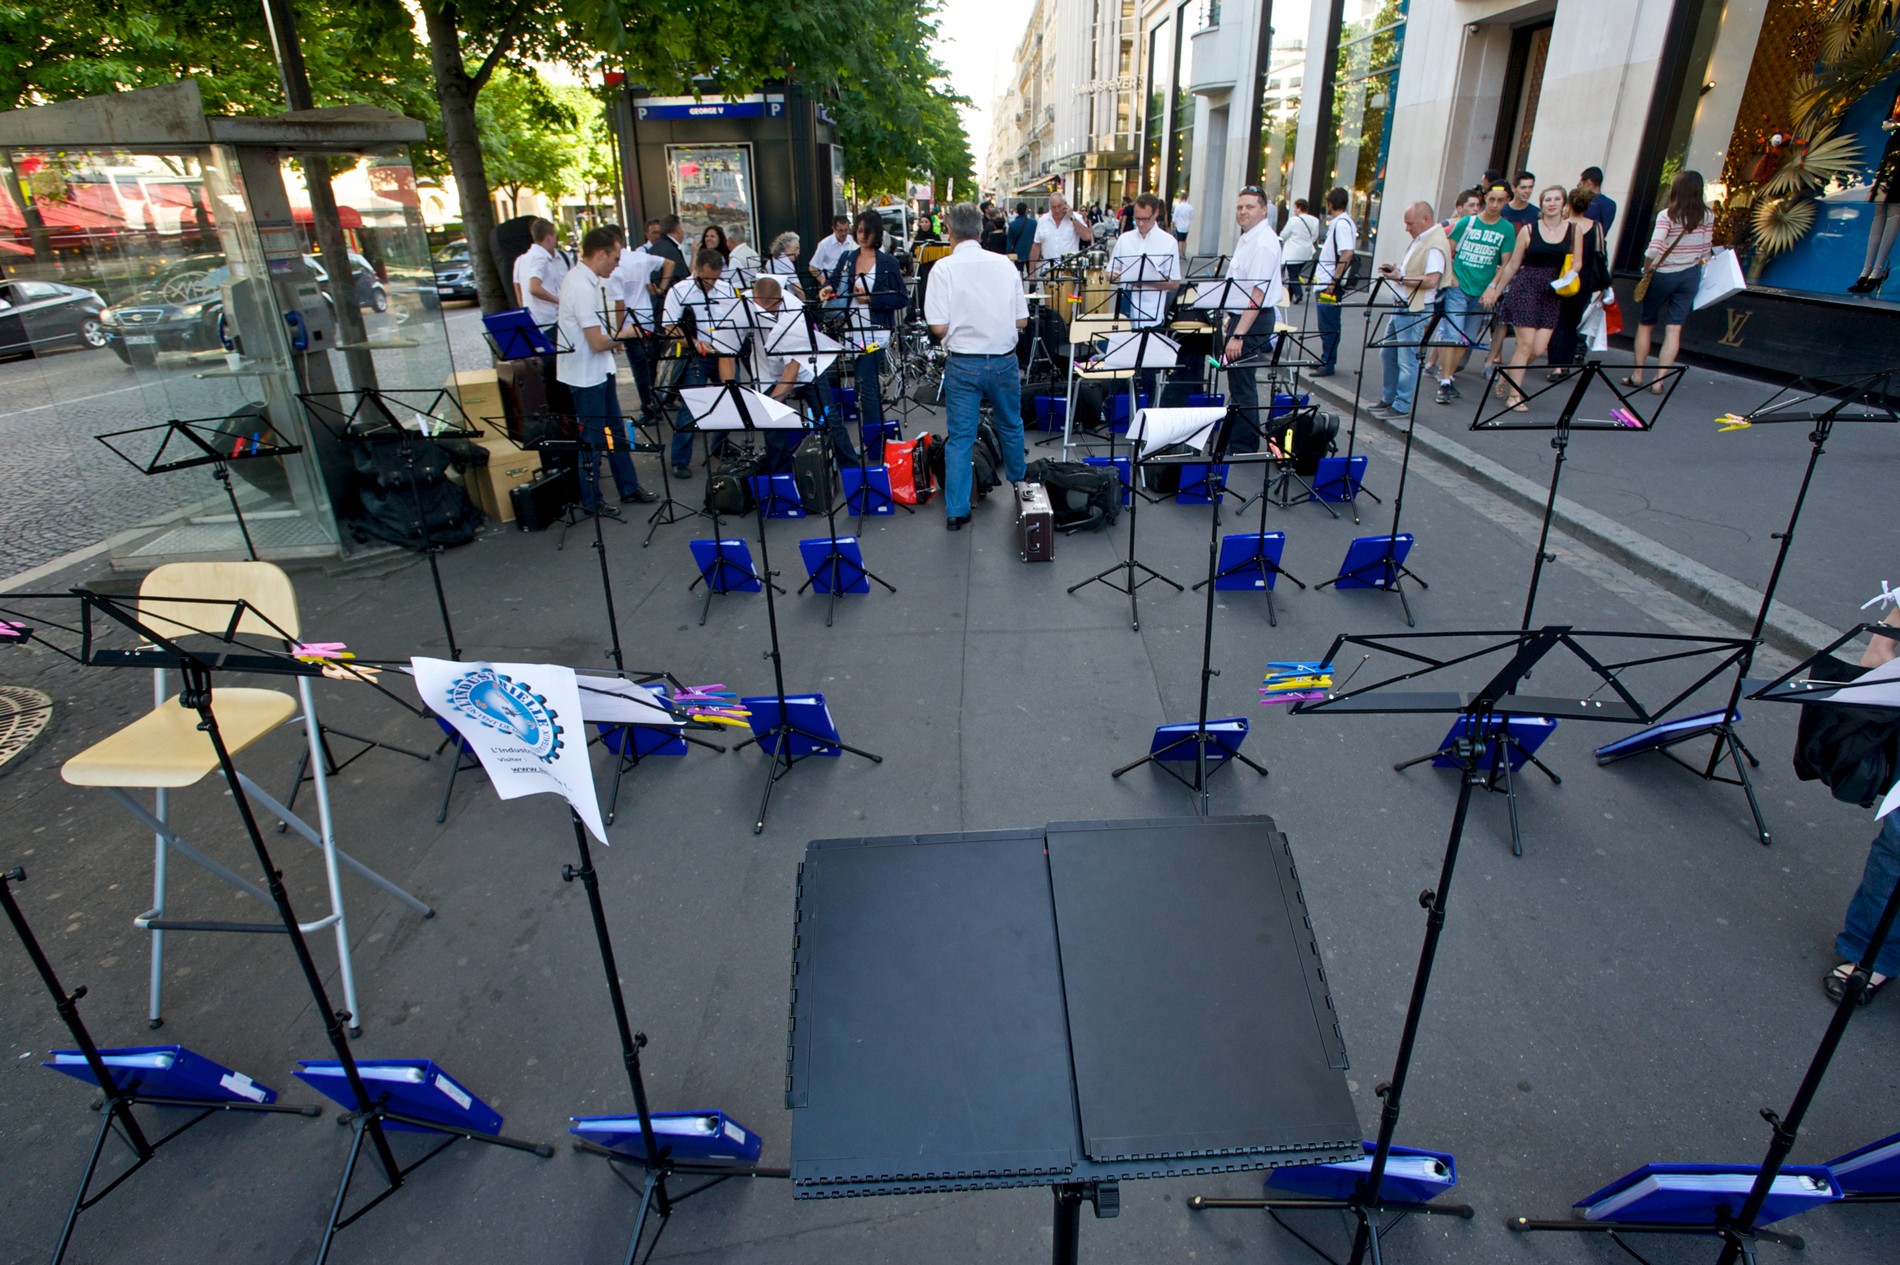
[
  {"x": 986, "y": 460},
  {"x": 729, "y": 491},
  {"x": 1082, "y": 497},
  {"x": 1853, "y": 751},
  {"x": 816, "y": 478},
  {"x": 1307, "y": 435}
]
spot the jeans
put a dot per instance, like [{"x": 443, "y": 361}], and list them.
[
  {"x": 700, "y": 370},
  {"x": 1863, "y": 912},
  {"x": 1328, "y": 324},
  {"x": 597, "y": 409},
  {"x": 1400, "y": 360},
  {"x": 967, "y": 382},
  {"x": 1467, "y": 314},
  {"x": 1243, "y": 385}
]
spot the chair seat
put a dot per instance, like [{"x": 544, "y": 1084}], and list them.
[
  {"x": 164, "y": 749},
  {"x": 1104, "y": 375}
]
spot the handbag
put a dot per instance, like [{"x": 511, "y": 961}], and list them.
[
  {"x": 1612, "y": 314},
  {"x": 1596, "y": 264},
  {"x": 1649, "y": 266},
  {"x": 1567, "y": 282},
  {"x": 1721, "y": 279}
]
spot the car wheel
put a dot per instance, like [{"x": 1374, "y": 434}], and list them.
[
  {"x": 379, "y": 299},
  {"x": 92, "y": 333}
]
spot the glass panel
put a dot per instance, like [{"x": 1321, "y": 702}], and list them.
[
  {"x": 711, "y": 184},
  {"x": 1371, "y": 35},
  {"x": 1280, "y": 100},
  {"x": 1181, "y": 141},
  {"x": 1154, "y": 129}
]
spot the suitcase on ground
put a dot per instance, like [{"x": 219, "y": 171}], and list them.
[
  {"x": 540, "y": 502},
  {"x": 1035, "y": 523},
  {"x": 817, "y": 480}
]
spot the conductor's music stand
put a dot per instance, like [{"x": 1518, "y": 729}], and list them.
[
  {"x": 155, "y": 1076},
  {"x": 1507, "y": 658},
  {"x": 1121, "y": 576},
  {"x": 1867, "y": 399},
  {"x": 736, "y": 408},
  {"x": 190, "y": 444}
]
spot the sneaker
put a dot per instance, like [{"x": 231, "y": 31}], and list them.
[
  {"x": 1444, "y": 395},
  {"x": 682, "y": 472},
  {"x": 955, "y": 522},
  {"x": 639, "y": 496},
  {"x": 1448, "y": 388},
  {"x": 1325, "y": 371}
]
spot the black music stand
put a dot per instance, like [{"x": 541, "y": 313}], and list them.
[
  {"x": 1481, "y": 708},
  {"x": 1381, "y": 294},
  {"x": 1867, "y": 399},
  {"x": 204, "y": 442},
  {"x": 1207, "y": 429},
  {"x": 1053, "y": 944},
  {"x": 1294, "y": 350},
  {"x": 1121, "y": 577},
  {"x": 639, "y": 320},
  {"x": 118, "y": 1098},
  {"x": 740, "y": 409},
  {"x": 1386, "y": 570},
  {"x": 197, "y": 674}
]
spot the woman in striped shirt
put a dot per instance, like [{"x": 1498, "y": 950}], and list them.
[{"x": 1683, "y": 240}]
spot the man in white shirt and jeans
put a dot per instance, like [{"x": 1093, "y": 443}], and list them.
[
  {"x": 825, "y": 256},
  {"x": 1058, "y": 232},
  {"x": 1183, "y": 217},
  {"x": 1330, "y": 275},
  {"x": 975, "y": 307},
  {"x": 538, "y": 273},
  {"x": 1426, "y": 265},
  {"x": 1146, "y": 265},
  {"x": 1255, "y": 265},
  {"x": 588, "y": 372}
]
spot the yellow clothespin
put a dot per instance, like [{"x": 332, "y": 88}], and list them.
[{"x": 1732, "y": 421}]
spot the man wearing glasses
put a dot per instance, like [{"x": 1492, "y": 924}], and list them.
[
  {"x": 1146, "y": 267},
  {"x": 1255, "y": 265}
]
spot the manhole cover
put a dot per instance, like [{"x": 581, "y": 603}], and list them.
[{"x": 24, "y": 714}]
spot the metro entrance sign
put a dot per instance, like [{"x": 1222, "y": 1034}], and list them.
[{"x": 754, "y": 107}]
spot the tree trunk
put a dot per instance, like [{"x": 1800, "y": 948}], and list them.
[{"x": 456, "y": 91}]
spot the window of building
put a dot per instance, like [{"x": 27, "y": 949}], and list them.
[
  {"x": 1371, "y": 36},
  {"x": 1154, "y": 132},
  {"x": 1278, "y": 112},
  {"x": 1181, "y": 134},
  {"x": 1523, "y": 88}
]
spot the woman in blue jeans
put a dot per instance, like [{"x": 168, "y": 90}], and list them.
[
  {"x": 1876, "y": 881},
  {"x": 874, "y": 284}
]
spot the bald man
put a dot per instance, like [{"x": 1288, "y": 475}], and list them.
[{"x": 1059, "y": 232}]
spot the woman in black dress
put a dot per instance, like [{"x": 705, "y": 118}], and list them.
[{"x": 1529, "y": 302}]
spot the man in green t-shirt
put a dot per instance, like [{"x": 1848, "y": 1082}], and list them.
[{"x": 1480, "y": 244}]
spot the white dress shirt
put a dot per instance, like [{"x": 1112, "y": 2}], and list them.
[
  {"x": 710, "y": 309},
  {"x": 1256, "y": 265},
  {"x": 829, "y": 252},
  {"x": 1145, "y": 306},
  {"x": 628, "y": 285},
  {"x": 768, "y": 369},
  {"x": 539, "y": 261},
  {"x": 978, "y": 294},
  {"x": 1342, "y": 235},
  {"x": 583, "y": 295},
  {"x": 1183, "y": 216},
  {"x": 743, "y": 256},
  {"x": 1301, "y": 238},
  {"x": 1056, "y": 239}
]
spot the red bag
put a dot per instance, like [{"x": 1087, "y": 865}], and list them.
[
  {"x": 1612, "y": 318},
  {"x": 909, "y": 464}
]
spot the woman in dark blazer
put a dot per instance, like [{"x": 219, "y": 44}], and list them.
[{"x": 871, "y": 278}]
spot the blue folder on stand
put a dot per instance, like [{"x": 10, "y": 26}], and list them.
[
  {"x": 867, "y": 490},
  {"x": 1176, "y": 742},
  {"x": 846, "y": 399},
  {"x": 1365, "y": 563},
  {"x": 1667, "y": 734},
  {"x": 703, "y": 1137},
  {"x": 1115, "y": 410},
  {"x": 1050, "y": 412},
  {"x": 726, "y": 565},
  {"x": 1411, "y": 1175},
  {"x": 777, "y": 495},
  {"x": 1237, "y": 553},
  {"x": 1337, "y": 479},
  {"x": 806, "y": 712},
  {"x": 873, "y": 436},
  {"x": 1693, "y": 1194},
  {"x": 1529, "y": 733},
  {"x": 1121, "y": 471},
  {"x": 412, "y": 1087},
  {"x": 1872, "y": 1170},
  {"x": 516, "y": 335},
  {"x": 849, "y": 572},
  {"x": 641, "y": 741},
  {"x": 1198, "y": 481},
  {"x": 164, "y": 1071}
]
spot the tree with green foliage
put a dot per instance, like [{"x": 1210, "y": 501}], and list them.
[{"x": 531, "y": 135}]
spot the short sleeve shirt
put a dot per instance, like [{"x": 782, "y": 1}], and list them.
[
  {"x": 1479, "y": 249},
  {"x": 1055, "y": 239},
  {"x": 1342, "y": 235},
  {"x": 538, "y": 261},
  {"x": 583, "y": 295},
  {"x": 979, "y": 296}
]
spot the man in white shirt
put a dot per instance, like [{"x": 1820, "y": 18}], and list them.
[
  {"x": 1256, "y": 266},
  {"x": 1417, "y": 277},
  {"x": 1059, "y": 232},
  {"x": 693, "y": 307},
  {"x": 538, "y": 273},
  {"x": 1183, "y": 217},
  {"x": 743, "y": 256},
  {"x": 633, "y": 315},
  {"x": 1330, "y": 274},
  {"x": 588, "y": 372},
  {"x": 1146, "y": 264},
  {"x": 825, "y": 258},
  {"x": 787, "y": 379},
  {"x": 975, "y": 307},
  {"x": 1300, "y": 241}
]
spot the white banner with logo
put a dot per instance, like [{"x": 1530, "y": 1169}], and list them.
[{"x": 523, "y": 720}]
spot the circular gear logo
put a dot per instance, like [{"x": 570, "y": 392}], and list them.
[{"x": 503, "y": 704}]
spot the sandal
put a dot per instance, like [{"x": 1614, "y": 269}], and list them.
[
  {"x": 1834, "y": 984},
  {"x": 1629, "y": 380}
]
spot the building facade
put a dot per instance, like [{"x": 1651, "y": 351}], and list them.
[{"x": 1069, "y": 119}]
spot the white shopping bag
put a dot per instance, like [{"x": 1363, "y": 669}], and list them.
[
  {"x": 1592, "y": 329},
  {"x": 1721, "y": 279}
]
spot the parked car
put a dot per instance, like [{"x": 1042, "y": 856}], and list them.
[
  {"x": 454, "y": 272},
  {"x": 184, "y": 311},
  {"x": 37, "y": 315}
]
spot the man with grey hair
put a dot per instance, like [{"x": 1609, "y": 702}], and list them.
[
  {"x": 1058, "y": 232},
  {"x": 1416, "y": 277},
  {"x": 788, "y": 379},
  {"x": 975, "y": 307}
]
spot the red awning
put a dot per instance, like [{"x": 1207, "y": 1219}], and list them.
[{"x": 348, "y": 216}]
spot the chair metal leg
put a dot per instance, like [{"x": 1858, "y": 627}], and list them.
[
  {"x": 302, "y": 827},
  {"x": 319, "y": 772}
]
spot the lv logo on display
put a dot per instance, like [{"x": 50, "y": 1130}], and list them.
[{"x": 1737, "y": 322}]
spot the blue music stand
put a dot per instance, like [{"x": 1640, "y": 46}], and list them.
[
  {"x": 1185, "y": 743},
  {"x": 514, "y": 335},
  {"x": 1120, "y": 466},
  {"x": 1051, "y": 411},
  {"x": 1377, "y": 562},
  {"x": 1665, "y": 735},
  {"x": 700, "y": 1137},
  {"x": 804, "y": 724},
  {"x": 725, "y": 566},
  {"x": 630, "y": 744},
  {"x": 160, "y": 1072},
  {"x": 1339, "y": 480},
  {"x": 836, "y": 571},
  {"x": 777, "y": 495},
  {"x": 1201, "y": 482},
  {"x": 1706, "y": 1194},
  {"x": 1870, "y": 1174},
  {"x": 867, "y": 490},
  {"x": 1507, "y": 744},
  {"x": 1413, "y": 1175},
  {"x": 873, "y": 436},
  {"x": 1249, "y": 562},
  {"x": 420, "y": 1096}
]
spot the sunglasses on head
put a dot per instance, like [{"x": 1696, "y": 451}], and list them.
[{"x": 1254, "y": 189}]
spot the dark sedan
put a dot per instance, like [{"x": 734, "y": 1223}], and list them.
[
  {"x": 454, "y": 273},
  {"x": 185, "y": 315},
  {"x": 39, "y": 315}
]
